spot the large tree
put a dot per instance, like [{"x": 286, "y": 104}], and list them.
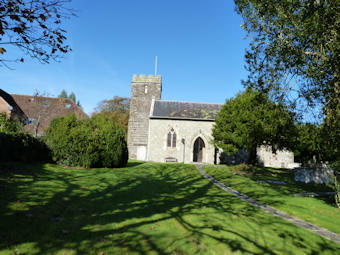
[
  {"x": 250, "y": 120},
  {"x": 34, "y": 27},
  {"x": 116, "y": 109},
  {"x": 294, "y": 51},
  {"x": 309, "y": 143}
]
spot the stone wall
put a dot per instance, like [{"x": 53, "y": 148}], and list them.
[
  {"x": 314, "y": 174},
  {"x": 144, "y": 89},
  {"x": 187, "y": 131},
  {"x": 280, "y": 159},
  {"x": 265, "y": 156},
  {"x": 234, "y": 159}
]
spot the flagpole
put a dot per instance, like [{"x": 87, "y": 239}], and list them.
[{"x": 156, "y": 66}]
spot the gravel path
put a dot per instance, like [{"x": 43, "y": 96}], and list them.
[{"x": 301, "y": 223}]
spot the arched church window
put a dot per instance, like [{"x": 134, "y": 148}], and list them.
[
  {"x": 169, "y": 139},
  {"x": 172, "y": 138}
]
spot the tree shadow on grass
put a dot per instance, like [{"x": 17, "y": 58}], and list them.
[
  {"x": 134, "y": 163},
  {"x": 147, "y": 208},
  {"x": 272, "y": 190},
  {"x": 293, "y": 188}
]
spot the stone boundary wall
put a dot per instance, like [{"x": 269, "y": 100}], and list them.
[
  {"x": 280, "y": 159},
  {"x": 320, "y": 174},
  {"x": 265, "y": 157}
]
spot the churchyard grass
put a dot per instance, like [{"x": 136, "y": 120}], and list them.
[
  {"x": 145, "y": 208},
  {"x": 253, "y": 182}
]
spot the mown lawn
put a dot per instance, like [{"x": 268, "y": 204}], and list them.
[
  {"x": 317, "y": 210},
  {"x": 142, "y": 209}
]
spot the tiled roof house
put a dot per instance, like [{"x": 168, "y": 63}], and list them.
[
  {"x": 40, "y": 111},
  {"x": 11, "y": 108}
]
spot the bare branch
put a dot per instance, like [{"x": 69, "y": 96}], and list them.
[{"x": 35, "y": 27}]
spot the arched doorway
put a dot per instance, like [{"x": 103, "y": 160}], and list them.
[{"x": 199, "y": 148}]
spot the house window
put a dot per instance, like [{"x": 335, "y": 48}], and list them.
[
  {"x": 29, "y": 121},
  {"x": 172, "y": 137}
]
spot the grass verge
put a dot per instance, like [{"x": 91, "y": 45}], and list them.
[
  {"x": 317, "y": 210},
  {"x": 145, "y": 208}
]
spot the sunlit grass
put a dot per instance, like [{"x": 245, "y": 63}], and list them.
[
  {"x": 145, "y": 208},
  {"x": 318, "y": 210}
]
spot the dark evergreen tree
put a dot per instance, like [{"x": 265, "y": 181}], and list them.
[
  {"x": 71, "y": 96},
  {"x": 250, "y": 120}
]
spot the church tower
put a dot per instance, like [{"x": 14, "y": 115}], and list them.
[{"x": 144, "y": 90}]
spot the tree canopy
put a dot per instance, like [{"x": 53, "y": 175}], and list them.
[
  {"x": 116, "y": 109},
  {"x": 71, "y": 96},
  {"x": 250, "y": 120},
  {"x": 34, "y": 27},
  {"x": 294, "y": 51},
  {"x": 309, "y": 143}
]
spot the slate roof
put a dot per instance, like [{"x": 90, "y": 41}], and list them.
[
  {"x": 162, "y": 109},
  {"x": 42, "y": 110}
]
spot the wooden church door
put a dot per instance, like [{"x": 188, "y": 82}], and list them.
[{"x": 198, "y": 150}]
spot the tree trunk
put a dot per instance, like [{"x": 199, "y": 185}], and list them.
[
  {"x": 252, "y": 158},
  {"x": 336, "y": 189}
]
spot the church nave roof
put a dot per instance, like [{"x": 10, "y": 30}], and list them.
[{"x": 162, "y": 109}]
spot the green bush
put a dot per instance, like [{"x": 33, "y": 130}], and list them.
[
  {"x": 95, "y": 142},
  {"x": 7, "y": 125},
  {"x": 22, "y": 147},
  {"x": 15, "y": 145}
]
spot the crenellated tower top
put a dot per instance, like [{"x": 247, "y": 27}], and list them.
[{"x": 150, "y": 78}]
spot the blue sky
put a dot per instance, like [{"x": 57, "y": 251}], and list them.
[{"x": 200, "y": 47}]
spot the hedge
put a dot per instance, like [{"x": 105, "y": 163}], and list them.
[
  {"x": 96, "y": 142},
  {"x": 22, "y": 147}
]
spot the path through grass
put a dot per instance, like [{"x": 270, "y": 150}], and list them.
[
  {"x": 142, "y": 209},
  {"x": 317, "y": 210}
]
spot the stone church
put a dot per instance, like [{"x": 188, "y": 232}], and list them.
[{"x": 173, "y": 131}]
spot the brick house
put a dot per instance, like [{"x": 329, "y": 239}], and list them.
[
  {"x": 11, "y": 108},
  {"x": 36, "y": 112}
]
